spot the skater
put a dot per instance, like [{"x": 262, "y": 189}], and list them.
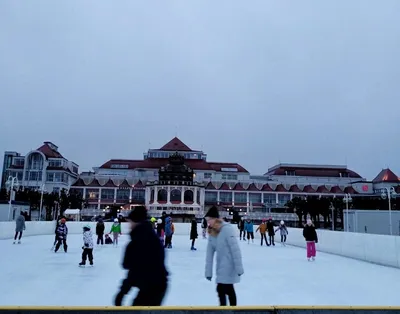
[
  {"x": 271, "y": 232},
  {"x": 62, "y": 232},
  {"x": 229, "y": 268},
  {"x": 100, "y": 227},
  {"x": 108, "y": 240},
  {"x": 160, "y": 231},
  {"x": 249, "y": 228},
  {"x": 19, "y": 228},
  {"x": 204, "y": 228},
  {"x": 87, "y": 246},
  {"x": 193, "y": 233},
  {"x": 310, "y": 235},
  {"x": 284, "y": 232},
  {"x": 116, "y": 231},
  {"x": 144, "y": 259},
  {"x": 168, "y": 232},
  {"x": 241, "y": 228},
  {"x": 263, "y": 229}
]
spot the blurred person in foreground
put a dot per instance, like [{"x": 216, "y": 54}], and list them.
[{"x": 144, "y": 260}]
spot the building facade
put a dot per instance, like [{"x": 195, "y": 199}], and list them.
[{"x": 43, "y": 167}]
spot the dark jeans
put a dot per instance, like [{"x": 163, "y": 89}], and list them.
[
  {"x": 244, "y": 234},
  {"x": 264, "y": 237},
  {"x": 150, "y": 296},
  {"x": 16, "y": 235},
  {"x": 62, "y": 241},
  {"x": 226, "y": 290},
  {"x": 193, "y": 241},
  {"x": 168, "y": 241},
  {"x": 100, "y": 239},
  {"x": 250, "y": 235},
  {"x": 283, "y": 238},
  {"x": 87, "y": 253},
  {"x": 272, "y": 240}
]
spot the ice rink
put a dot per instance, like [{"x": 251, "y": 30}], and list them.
[{"x": 31, "y": 274}]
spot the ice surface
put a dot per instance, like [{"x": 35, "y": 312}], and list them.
[{"x": 33, "y": 275}]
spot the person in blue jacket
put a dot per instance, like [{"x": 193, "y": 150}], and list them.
[
  {"x": 168, "y": 232},
  {"x": 249, "y": 228}
]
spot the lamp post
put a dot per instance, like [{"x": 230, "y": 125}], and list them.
[
  {"x": 390, "y": 193},
  {"x": 347, "y": 199},
  {"x": 332, "y": 208},
  {"x": 11, "y": 183},
  {"x": 41, "y": 201}
]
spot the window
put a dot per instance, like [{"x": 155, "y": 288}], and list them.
[
  {"x": 207, "y": 175},
  {"x": 118, "y": 166},
  {"x": 123, "y": 194},
  {"x": 57, "y": 177},
  {"x": 210, "y": 196},
  {"x": 229, "y": 177},
  {"x": 92, "y": 194},
  {"x": 74, "y": 169},
  {"x": 107, "y": 194},
  {"x": 35, "y": 176},
  {"x": 19, "y": 162},
  {"x": 269, "y": 198},
  {"x": 240, "y": 197},
  {"x": 65, "y": 178},
  {"x": 19, "y": 175},
  {"x": 344, "y": 174},
  {"x": 50, "y": 177},
  {"x": 55, "y": 163},
  {"x": 255, "y": 197},
  {"x": 225, "y": 197},
  {"x": 138, "y": 196},
  {"x": 283, "y": 199},
  {"x": 290, "y": 172}
]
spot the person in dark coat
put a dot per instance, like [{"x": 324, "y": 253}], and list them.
[
  {"x": 61, "y": 233},
  {"x": 100, "y": 231},
  {"x": 241, "y": 229},
  {"x": 19, "y": 227},
  {"x": 144, "y": 260},
  {"x": 271, "y": 231},
  {"x": 193, "y": 234}
]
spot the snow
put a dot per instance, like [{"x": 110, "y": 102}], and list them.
[{"x": 33, "y": 275}]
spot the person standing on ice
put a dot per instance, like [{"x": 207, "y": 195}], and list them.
[
  {"x": 263, "y": 229},
  {"x": 193, "y": 233},
  {"x": 168, "y": 232},
  {"x": 204, "y": 228},
  {"x": 222, "y": 241},
  {"x": 160, "y": 231},
  {"x": 284, "y": 232},
  {"x": 100, "y": 227},
  {"x": 271, "y": 231},
  {"x": 87, "y": 246},
  {"x": 19, "y": 227},
  {"x": 61, "y": 233},
  {"x": 116, "y": 231},
  {"x": 144, "y": 260},
  {"x": 241, "y": 229},
  {"x": 310, "y": 235},
  {"x": 249, "y": 228}
]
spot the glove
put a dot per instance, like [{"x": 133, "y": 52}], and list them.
[
  {"x": 208, "y": 278},
  {"x": 118, "y": 299},
  {"x": 83, "y": 247}
]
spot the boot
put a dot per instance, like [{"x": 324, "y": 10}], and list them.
[{"x": 82, "y": 264}]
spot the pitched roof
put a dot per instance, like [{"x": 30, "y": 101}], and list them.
[
  {"x": 210, "y": 186},
  {"x": 139, "y": 185},
  {"x": 267, "y": 188},
  {"x": 252, "y": 187},
  {"x": 322, "y": 189},
  {"x": 337, "y": 190},
  {"x": 312, "y": 171},
  {"x": 386, "y": 175},
  {"x": 295, "y": 188},
  {"x": 224, "y": 186},
  {"x": 349, "y": 190},
  {"x": 176, "y": 145},
  {"x": 238, "y": 187},
  {"x": 79, "y": 182},
  {"x": 280, "y": 188},
  {"x": 49, "y": 152},
  {"x": 109, "y": 184},
  {"x": 308, "y": 189},
  {"x": 94, "y": 183}
]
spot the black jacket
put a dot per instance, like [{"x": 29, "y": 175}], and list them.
[
  {"x": 241, "y": 225},
  {"x": 270, "y": 228},
  {"x": 144, "y": 258},
  {"x": 193, "y": 230},
  {"x": 310, "y": 234},
  {"x": 100, "y": 228}
]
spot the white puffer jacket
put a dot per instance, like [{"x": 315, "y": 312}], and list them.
[{"x": 88, "y": 239}]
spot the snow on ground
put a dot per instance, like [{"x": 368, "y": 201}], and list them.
[{"x": 33, "y": 275}]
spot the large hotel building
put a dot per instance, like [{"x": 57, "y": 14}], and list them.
[{"x": 177, "y": 179}]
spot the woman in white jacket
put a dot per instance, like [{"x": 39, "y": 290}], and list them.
[
  {"x": 87, "y": 246},
  {"x": 229, "y": 268}
]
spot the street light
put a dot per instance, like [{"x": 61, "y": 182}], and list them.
[
  {"x": 11, "y": 183},
  {"x": 390, "y": 193},
  {"x": 41, "y": 201},
  {"x": 347, "y": 199},
  {"x": 332, "y": 208}
]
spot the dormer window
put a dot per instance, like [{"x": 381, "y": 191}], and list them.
[
  {"x": 344, "y": 174},
  {"x": 290, "y": 173}
]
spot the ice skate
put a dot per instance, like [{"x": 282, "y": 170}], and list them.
[
  {"x": 193, "y": 248},
  {"x": 313, "y": 258},
  {"x": 19, "y": 242},
  {"x": 14, "y": 242},
  {"x": 91, "y": 263},
  {"x": 309, "y": 259},
  {"x": 82, "y": 264}
]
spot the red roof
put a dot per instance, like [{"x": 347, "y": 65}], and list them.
[
  {"x": 210, "y": 186},
  {"x": 109, "y": 184},
  {"x": 322, "y": 189},
  {"x": 139, "y": 185},
  {"x": 386, "y": 175},
  {"x": 224, "y": 186},
  {"x": 176, "y": 145},
  {"x": 280, "y": 188},
  {"x": 295, "y": 188},
  {"x": 349, "y": 190},
  {"x": 124, "y": 184},
  {"x": 267, "y": 188},
  {"x": 308, "y": 189},
  {"x": 312, "y": 171},
  {"x": 238, "y": 187},
  {"x": 157, "y": 163},
  {"x": 49, "y": 152},
  {"x": 79, "y": 182},
  {"x": 336, "y": 190},
  {"x": 252, "y": 187},
  {"x": 95, "y": 182}
]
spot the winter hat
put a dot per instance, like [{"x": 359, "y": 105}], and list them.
[
  {"x": 63, "y": 220},
  {"x": 282, "y": 222},
  {"x": 159, "y": 221},
  {"x": 138, "y": 214},
  {"x": 212, "y": 212},
  {"x": 87, "y": 227},
  {"x": 264, "y": 220},
  {"x": 116, "y": 220}
]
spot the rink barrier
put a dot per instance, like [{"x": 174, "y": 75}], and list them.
[
  {"x": 204, "y": 309},
  {"x": 361, "y": 246}
]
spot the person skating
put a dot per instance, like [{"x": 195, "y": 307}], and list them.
[
  {"x": 193, "y": 233},
  {"x": 204, "y": 228},
  {"x": 115, "y": 231},
  {"x": 271, "y": 231},
  {"x": 241, "y": 229},
  {"x": 100, "y": 227},
  {"x": 160, "y": 231},
  {"x": 62, "y": 233},
  {"x": 108, "y": 240},
  {"x": 222, "y": 241},
  {"x": 87, "y": 246},
  {"x": 168, "y": 232},
  {"x": 263, "y": 229},
  {"x": 311, "y": 237},
  {"x": 19, "y": 227},
  {"x": 144, "y": 260},
  {"x": 249, "y": 228},
  {"x": 283, "y": 231}
]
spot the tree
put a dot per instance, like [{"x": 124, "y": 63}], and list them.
[
  {"x": 324, "y": 210},
  {"x": 298, "y": 205},
  {"x": 4, "y": 195},
  {"x": 338, "y": 206}
]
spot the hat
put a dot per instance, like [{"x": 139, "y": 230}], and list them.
[
  {"x": 212, "y": 212},
  {"x": 116, "y": 220},
  {"x": 86, "y": 227},
  {"x": 282, "y": 222},
  {"x": 138, "y": 214},
  {"x": 159, "y": 221}
]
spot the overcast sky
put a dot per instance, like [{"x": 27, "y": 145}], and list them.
[{"x": 253, "y": 82}]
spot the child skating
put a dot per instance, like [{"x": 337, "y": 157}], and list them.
[
  {"x": 283, "y": 231},
  {"x": 249, "y": 228},
  {"x": 310, "y": 235},
  {"x": 160, "y": 231},
  {"x": 204, "y": 226},
  {"x": 108, "y": 240},
  {"x": 193, "y": 234},
  {"x": 87, "y": 246},
  {"x": 263, "y": 229},
  {"x": 115, "y": 231}
]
